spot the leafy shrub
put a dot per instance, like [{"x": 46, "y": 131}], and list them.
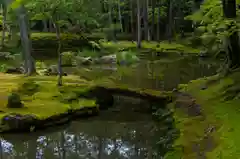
[
  {"x": 127, "y": 57},
  {"x": 68, "y": 58},
  {"x": 28, "y": 87},
  {"x": 95, "y": 45}
]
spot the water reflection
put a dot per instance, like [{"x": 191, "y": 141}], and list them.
[
  {"x": 163, "y": 74},
  {"x": 94, "y": 139}
]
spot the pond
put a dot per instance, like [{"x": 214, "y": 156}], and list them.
[
  {"x": 111, "y": 135},
  {"x": 119, "y": 133}
]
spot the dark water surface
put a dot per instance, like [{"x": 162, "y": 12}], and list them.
[
  {"x": 164, "y": 74},
  {"x": 112, "y": 135}
]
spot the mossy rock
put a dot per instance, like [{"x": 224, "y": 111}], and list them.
[
  {"x": 14, "y": 101},
  {"x": 29, "y": 87},
  {"x": 18, "y": 122}
]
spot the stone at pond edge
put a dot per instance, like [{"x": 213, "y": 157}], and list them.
[
  {"x": 15, "y": 70},
  {"x": 6, "y": 56},
  {"x": 17, "y": 121},
  {"x": 14, "y": 101}
]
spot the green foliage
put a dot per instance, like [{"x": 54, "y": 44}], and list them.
[
  {"x": 68, "y": 58},
  {"x": 3, "y": 67},
  {"x": 212, "y": 27},
  {"x": 28, "y": 87},
  {"x": 127, "y": 57}
]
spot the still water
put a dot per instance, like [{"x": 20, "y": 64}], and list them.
[
  {"x": 112, "y": 135},
  {"x": 164, "y": 74}
]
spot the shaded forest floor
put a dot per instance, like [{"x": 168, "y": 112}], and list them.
[{"x": 214, "y": 133}]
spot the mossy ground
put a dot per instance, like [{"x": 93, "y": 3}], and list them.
[
  {"x": 154, "y": 46},
  {"x": 45, "y": 101},
  {"x": 222, "y": 114}
]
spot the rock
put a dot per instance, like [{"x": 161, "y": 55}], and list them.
[
  {"x": 6, "y": 56},
  {"x": 175, "y": 90},
  {"x": 53, "y": 71},
  {"x": 203, "y": 54},
  {"x": 83, "y": 61},
  {"x": 14, "y": 101},
  {"x": 15, "y": 70},
  {"x": 109, "y": 59},
  {"x": 203, "y": 87},
  {"x": 17, "y": 121}
]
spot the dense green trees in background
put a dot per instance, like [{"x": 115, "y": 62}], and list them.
[{"x": 211, "y": 25}]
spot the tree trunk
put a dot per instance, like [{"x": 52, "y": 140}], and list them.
[
  {"x": 132, "y": 20},
  {"x": 120, "y": 16},
  {"x": 139, "y": 24},
  {"x": 45, "y": 28},
  {"x": 153, "y": 19},
  {"x": 229, "y": 8},
  {"x": 158, "y": 23},
  {"x": 4, "y": 9},
  {"x": 50, "y": 26},
  {"x": 25, "y": 41},
  {"x": 60, "y": 72},
  {"x": 110, "y": 21},
  {"x": 170, "y": 23},
  {"x": 146, "y": 30}
]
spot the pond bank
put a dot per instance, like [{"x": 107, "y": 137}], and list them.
[
  {"x": 213, "y": 133},
  {"x": 46, "y": 105}
]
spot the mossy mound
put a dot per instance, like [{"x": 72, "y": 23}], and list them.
[
  {"x": 42, "y": 99},
  {"x": 216, "y": 132},
  {"x": 45, "y": 104},
  {"x": 46, "y": 44},
  {"x": 163, "y": 47}
]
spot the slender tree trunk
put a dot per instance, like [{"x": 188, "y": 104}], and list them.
[
  {"x": 170, "y": 21},
  {"x": 50, "y": 26},
  {"x": 146, "y": 29},
  {"x": 158, "y": 23},
  {"x": 45, "y": 28},
  {"x": 4, "y": 9},
  {"x": 120, "y": 16},
  {"x": 60, "y": 72},
  {"x": 139, "y": 24},
  {"x": 229, "y": 8},
  {"x": 33, "y": 66},
  {"x": 132, "y": 19},
  {"x": 153, "y": 18},
  {"x": 110, "y": 20},
  {"x": 25, "y": 41}
]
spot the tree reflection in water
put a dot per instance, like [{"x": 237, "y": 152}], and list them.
[{"x": 83, "y": 140}]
